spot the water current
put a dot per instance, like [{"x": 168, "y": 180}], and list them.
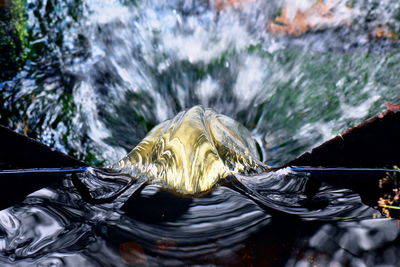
[{"x": 102, "y": 74}]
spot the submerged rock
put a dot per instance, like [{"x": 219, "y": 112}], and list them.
[{"x": 193, "y": 151}]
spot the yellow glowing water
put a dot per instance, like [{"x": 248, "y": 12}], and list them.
[{"x": 193, "y": 151}]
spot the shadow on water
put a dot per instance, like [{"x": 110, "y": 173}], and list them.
[{"x": 161, "y": 206}]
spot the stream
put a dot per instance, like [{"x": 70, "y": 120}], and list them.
[{"x": 101, "y": 74}]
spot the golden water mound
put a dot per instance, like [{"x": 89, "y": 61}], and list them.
[{"x": 193, "y": 151}]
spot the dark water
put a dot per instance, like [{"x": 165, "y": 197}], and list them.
[
  {"x": 148, "y": 226},
  {"x": 101, "y": 74}
]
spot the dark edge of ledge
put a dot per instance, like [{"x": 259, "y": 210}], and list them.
[
  {"x": 18, "y": 151},
  {"x": 373, "y": 143}
]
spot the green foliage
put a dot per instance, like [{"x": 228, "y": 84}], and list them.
[{"x": 13, "y": 37}]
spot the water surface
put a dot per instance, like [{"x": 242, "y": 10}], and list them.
[{"x": 101, "y": 75}]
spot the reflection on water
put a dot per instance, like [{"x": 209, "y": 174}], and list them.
[{"x": 155, "y": 227}]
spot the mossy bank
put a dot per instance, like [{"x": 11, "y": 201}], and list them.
[{"x": 13, "y": 37}]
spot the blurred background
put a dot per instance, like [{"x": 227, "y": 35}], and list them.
[{"x": 91, "y": 78}]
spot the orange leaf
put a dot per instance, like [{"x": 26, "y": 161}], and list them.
[{"x": 132, "y": 253}]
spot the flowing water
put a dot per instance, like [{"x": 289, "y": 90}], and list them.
[
  {"x": 101, "y": 74},
  {"x": 54, "y": 226}
]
